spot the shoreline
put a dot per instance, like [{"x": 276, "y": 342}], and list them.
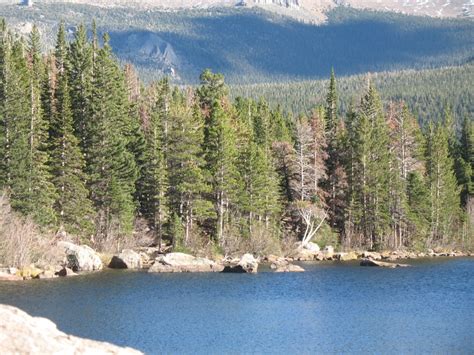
[{"x": 151, "y": 260}]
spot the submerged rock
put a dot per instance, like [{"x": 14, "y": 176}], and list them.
[
  {"x": 180, "y": 262},
  {"x": 370, "y": 262},
  {"x": 21, "y": 333},
  {"x": 81, "y": 257},
  {"x": 127, "y": 259},
  {"x": 246, "y": 264}
]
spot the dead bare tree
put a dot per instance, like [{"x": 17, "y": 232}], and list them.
[{"x": 313, "y": 218}]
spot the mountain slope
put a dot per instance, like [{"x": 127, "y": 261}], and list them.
[
  {"x": 252, "y": 45},
  {"x": 308, "y": 10}
]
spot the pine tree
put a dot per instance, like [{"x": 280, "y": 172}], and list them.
[
  {"x": 43, "y": 193},
  {"x": 80, "y": 83},
  {"x": 466, "y": 163},
  {"x": 4, "y": 63},
  {"x": 259, "y": 200},
  {"x": 466, "y": 172},
  {"x": 331, "y": 116},
  {"x": 335, "y": 182},
  {"x": 111, "y": 165},
  {"x": 406, "y": 147},
  {"x": 219, "y": 147},
  {"x": 444, "y": 191},
  {"x": 310, "y": 156},
  {"x": 188, "y": 184},
  {"x": 419, "y": 211},
  {"x": 67, "y": 164},
  {"x": 220, "y": 154},
  {"x": 16, "y": 124},
  {"x": 153, "y": 183},
  {"x": 371, "y": 171}
]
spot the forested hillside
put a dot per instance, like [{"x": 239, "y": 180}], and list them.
[
  {"x": 250, "y": 45},
  {"x": 87, "y": 149},
  {"x": 426, "y": 92}
]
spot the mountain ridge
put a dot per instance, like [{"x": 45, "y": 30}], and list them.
[{"x": 305, "y": 10}]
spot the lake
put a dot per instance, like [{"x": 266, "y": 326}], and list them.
[{"x": 331, "y": 308}]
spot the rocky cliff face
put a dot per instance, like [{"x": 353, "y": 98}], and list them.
[
  {"x": 21, "y": 333},
  {"x": 284, "y": 3}
]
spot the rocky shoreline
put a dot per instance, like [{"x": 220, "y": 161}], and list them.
[{"x": 81, "y": 258}]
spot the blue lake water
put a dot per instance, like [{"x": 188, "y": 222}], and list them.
[{"x": 331, "y": 308}]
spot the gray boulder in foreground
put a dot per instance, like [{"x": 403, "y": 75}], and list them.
[
  {"x": 21, "y": 333},
  {"x": 81, "y": 257},
  {"x": 127, "y": 259},
  {"x": 370, "y": 262},
  {"x": 181, "y": 262}
]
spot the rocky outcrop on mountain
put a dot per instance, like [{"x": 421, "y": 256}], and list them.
[
  {"x": 21, "y": 333},
  {"x": 147, "y": 47},
  {"x": 284, "y": 3}
]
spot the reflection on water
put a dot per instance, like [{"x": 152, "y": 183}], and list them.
[{"x": 331, "y": 308}]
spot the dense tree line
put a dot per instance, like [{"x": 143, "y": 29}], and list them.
[
  {"x": 426, "y": 92},
  {"x": 85, "y": 147}
]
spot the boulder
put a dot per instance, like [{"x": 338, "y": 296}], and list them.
[
  {"x": 271, "y": 258},
  {"x": 370, "y": 262},
  {"x": 246, "y": 264},
  {"x": 180, "y": 262},
  {"x": 65, "y": 272},
  {"x": 8, "y": 270},
  {"x": 312, "y": 247},
  {"x": 127, "y": 259},
  {"x": 81, "y": 257},
  {"x": 21, "y": 333},
  {"x": 48, "y": 273},
  {"x": 148, "y": 255},
  {"x": 29, "y": 272},
  {"x": 346, "y": 256},
  {"x": 280, "y": 262},
  {"x": 328, "y": 252},
  {"x": 302, "y": 254},
  {"x": 320, "y": 256},
  {"x": 371, "y": 255},
  {"x": 289, "y": 268}
]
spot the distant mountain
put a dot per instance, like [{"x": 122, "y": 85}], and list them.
[
  {"x": 253, "y": 45},
  {"x": 307, "y": 10}
]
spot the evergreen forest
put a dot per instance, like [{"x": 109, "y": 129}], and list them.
[{"x": 89, "y": 150}]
